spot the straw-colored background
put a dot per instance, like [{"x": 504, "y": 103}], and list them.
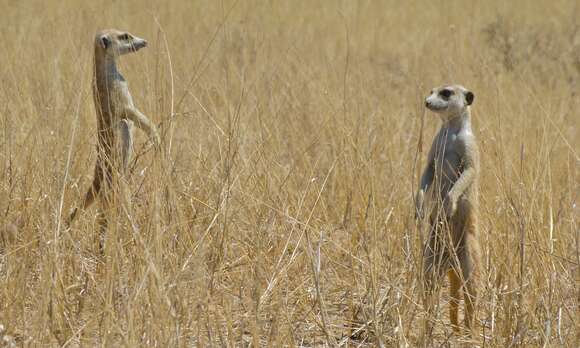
[{"x": 280, "y": 212}]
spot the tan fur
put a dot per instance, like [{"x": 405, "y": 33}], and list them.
[
  {"x": 116, "y": 117},
  {"x": 450, "y": 178}
]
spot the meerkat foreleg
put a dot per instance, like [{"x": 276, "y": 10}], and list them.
[
  {"x": 426, "y": 180},
  {"x": 420, "y": 205},
  {"x": 464, "y": 181},
  {"x": 143, "y": 123}
]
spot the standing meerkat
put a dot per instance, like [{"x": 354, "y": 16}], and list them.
[
  {"x": 116, "y": 116},
  {"x": 451, "y": 178}
]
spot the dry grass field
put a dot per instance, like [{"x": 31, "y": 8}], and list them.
[{"x": 280, "y": 211}]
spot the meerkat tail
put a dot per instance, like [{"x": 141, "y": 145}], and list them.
[{"x": 89, "y": 198}]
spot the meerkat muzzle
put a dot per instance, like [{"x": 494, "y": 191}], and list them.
[{"x": 138, "y": 44}]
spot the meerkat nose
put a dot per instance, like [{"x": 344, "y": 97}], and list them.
[
  {"x": 144, "y": 43},
  {"x": 426, "y": 103}
]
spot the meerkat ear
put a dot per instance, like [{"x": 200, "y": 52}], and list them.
[
  {"x": 469, "y": 97},
  {"x": 105, "y": 41}
]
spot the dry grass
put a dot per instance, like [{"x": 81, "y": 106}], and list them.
[{"x": 280, "y": 212}]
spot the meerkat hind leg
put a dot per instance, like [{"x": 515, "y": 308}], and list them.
[
  {"x": 454, "y": 291},
  {"x": 435, "y": 265},
  {"x": 469, "y": 260}
]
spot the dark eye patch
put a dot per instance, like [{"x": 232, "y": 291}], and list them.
[
  {"x": 446, "y": 93},
  {"x": 124, "y": 37}
]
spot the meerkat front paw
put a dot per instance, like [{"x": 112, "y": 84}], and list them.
[
  {"x": 450, "y": 205},
  {"x": 155, "y": 138},
  {"x": 419, "y": 205}
]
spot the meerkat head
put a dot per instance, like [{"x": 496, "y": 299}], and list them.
[
  {"x": 116, "y": 43},
  {"x": 449, "y": 101}
]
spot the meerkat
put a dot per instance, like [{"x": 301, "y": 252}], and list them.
[
  {"x": 451, "y": 179},
  {"x": 116, "y": 116}
]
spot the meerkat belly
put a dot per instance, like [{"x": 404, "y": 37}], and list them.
[{"x": 124, "y": 142}]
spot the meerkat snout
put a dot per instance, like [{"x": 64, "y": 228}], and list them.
[{"x": 139, "y": 43}]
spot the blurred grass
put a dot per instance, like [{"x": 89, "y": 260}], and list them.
[{"x": 281, "y": 213}]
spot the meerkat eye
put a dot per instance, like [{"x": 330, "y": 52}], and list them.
[
  {"x": 124, "y": 37},
  {"x": 446, "y": 93}
]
